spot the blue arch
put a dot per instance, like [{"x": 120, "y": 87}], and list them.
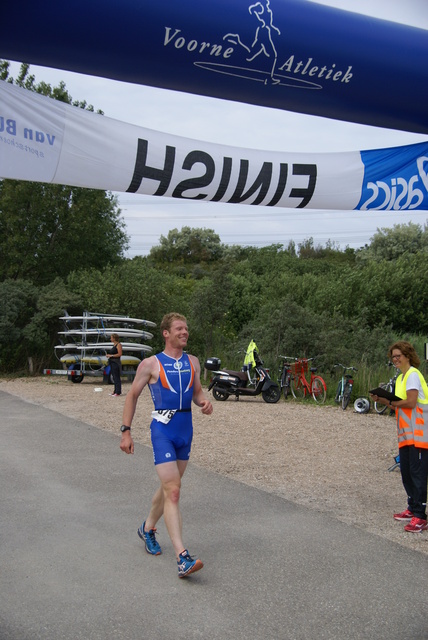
[{"x": 287, "y": 54}]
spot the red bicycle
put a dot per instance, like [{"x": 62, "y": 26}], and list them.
[{"x": 301, "y": 387}]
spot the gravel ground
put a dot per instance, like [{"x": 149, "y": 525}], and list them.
[{"x": 321, "y": 457}]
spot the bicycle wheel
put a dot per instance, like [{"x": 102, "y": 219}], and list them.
[
  {"x": 346, "y": 396},
  {"x": 318, "y": 390},
  {"x": 286, "y": 387},
  {"x": 338, "y": 396},
  {"x": 378, "y": 406},
  {"x": 298, "y": 389}
]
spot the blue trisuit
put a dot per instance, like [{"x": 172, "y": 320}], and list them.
[{"x": 171, "y": 428}]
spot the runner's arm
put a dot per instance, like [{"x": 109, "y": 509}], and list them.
[
  {"x": 198, "y": 393},
  {"x": 142, "y": 378}
]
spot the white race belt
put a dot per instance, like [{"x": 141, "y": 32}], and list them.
[{"x": 164, "y": 415}]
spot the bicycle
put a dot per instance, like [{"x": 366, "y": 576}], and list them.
[
  {"x": 389, "y": 386},
  {"x": 284, "y": 376},
  {"x": 344, "y": 388},
  {"x": 301, "y": 387}
]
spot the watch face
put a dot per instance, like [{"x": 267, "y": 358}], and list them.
[{"x": 123, "y": 428}]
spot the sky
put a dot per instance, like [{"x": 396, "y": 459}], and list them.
[{"x": 242, "y": 125}]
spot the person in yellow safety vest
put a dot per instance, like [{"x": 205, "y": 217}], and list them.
[{"x": 412, "y": 428}]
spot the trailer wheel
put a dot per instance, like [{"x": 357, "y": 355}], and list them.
[{"x": 76, "y": 367}]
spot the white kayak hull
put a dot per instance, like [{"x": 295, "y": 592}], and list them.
[
  {"x": 125, "y": 333},
  {"x": 108, "y": 319},
  {"x": 101, "y": 361},
  {"x": 104, "y": 346}
]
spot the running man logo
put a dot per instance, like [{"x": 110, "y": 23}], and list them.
[{"x": 257, "y": 58}]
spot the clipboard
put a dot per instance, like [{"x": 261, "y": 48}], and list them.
[{"x": 384, "y": 393}]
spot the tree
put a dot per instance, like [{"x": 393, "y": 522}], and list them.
[
  {"x": 46, "y": 231},
  {"x": 28, "y": 81},
  {"x": 29, "y": 322},
  {"x": 390, "y": 244},
  {"x": 134, "y": 288},
  {"x": 40, "y": 333},
  {"x": 187, "y": 247},
  {"x": 209, "y": 307}
]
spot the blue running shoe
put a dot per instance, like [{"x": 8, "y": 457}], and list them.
[
  {"x": 187, "y": 565},
  {"x": 149, "y": 537}
]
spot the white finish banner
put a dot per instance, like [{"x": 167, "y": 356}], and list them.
[{"x": 48, "y": 141}]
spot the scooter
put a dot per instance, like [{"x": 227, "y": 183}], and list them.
[{"x": 227, "y": 383}]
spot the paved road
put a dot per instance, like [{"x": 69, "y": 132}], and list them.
[{"x": 73, "y": 567}]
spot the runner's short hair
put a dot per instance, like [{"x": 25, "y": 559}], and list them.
[{"x": 168, "y": 319}]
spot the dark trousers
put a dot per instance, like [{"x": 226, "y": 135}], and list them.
[
  {"x": 115, "y": 372},
  {"x": 414, "y": 474}
]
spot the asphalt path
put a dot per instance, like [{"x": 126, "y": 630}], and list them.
[{"x": 73, "y": 567}]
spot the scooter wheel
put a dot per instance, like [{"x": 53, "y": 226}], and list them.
[
  {"x": 220, "y": 394},
  {"x": 272, "y": 394}
]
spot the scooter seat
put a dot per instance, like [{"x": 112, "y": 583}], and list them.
[{"x": 239, "y": 374}]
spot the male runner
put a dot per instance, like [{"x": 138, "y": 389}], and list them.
[{"x": 174, "y": 381}]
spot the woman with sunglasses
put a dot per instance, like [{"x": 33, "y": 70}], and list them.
[{"x": 412, "y": 428}]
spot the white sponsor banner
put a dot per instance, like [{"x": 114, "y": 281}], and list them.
[{"x": 48, "y": 141}]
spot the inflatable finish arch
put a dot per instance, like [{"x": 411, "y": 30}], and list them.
[{"x": 287, "y": 54}]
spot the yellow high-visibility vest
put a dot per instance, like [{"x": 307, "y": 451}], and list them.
[
  {"x": 249, "y": 356},
  {"x": 412, "y": 424}
]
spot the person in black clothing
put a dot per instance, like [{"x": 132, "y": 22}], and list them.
[{"x": 114, "y": 361}]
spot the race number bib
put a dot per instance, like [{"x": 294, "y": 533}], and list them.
[{"x": 164, "y": 415}]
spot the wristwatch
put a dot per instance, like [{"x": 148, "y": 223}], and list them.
[{"x": 124, "y": 428}]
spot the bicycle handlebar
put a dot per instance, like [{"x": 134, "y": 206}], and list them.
[
  {"x": 345, "y": 368},
  {"x": 295, "y": 359}
]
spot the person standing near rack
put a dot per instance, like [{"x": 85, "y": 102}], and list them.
[
  {"x": 115, "y": 366},
  {"x": 412, "y": 428}
]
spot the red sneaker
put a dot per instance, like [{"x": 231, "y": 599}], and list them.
[
  {"x": 416, "y": 525},
  {"x": 404, "y": 515}
]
